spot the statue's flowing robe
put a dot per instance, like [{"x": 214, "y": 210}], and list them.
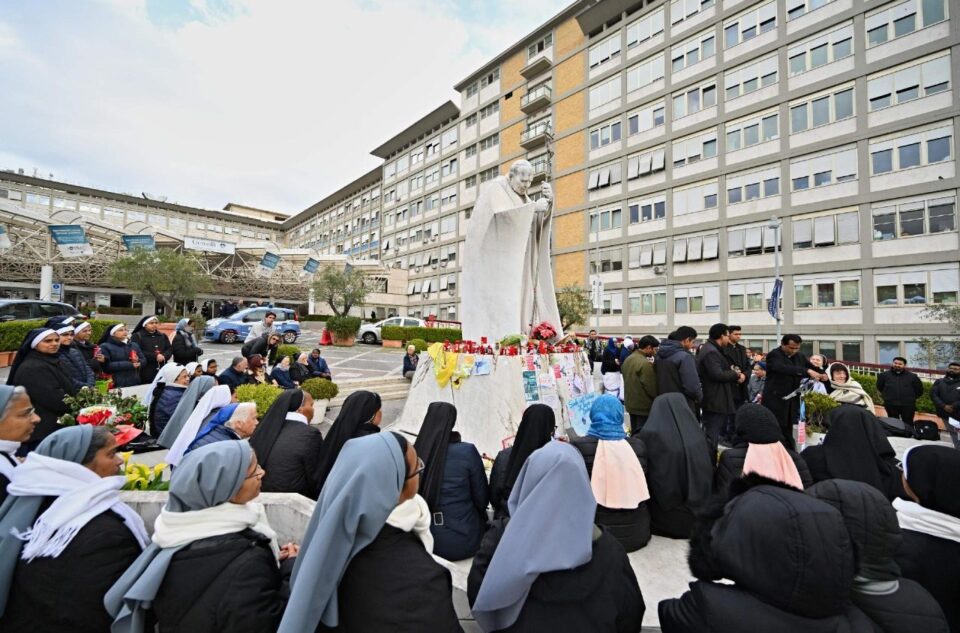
[{"x": 507, "y": 277}]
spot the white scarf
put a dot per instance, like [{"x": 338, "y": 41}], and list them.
[
  {"x": 293, "y": 416},
  {"x": 414, "y": 514},
  {"x": 80, "y": 494},
  {"x": 9, "y": 449},
  {"x": 173, "y": 529},
  {"x": 914, "y": 517}
]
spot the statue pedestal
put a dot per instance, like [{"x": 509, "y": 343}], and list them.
[{"x": 489, "y": 407}]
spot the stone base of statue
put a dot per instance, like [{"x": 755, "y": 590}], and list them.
[{"x": 491, "y": 399}]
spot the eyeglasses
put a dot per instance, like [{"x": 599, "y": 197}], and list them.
[
  {"x": 420, "y": 468},
  {"x": 259, "y": 472}
]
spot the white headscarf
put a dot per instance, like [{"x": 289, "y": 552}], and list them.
[
  {"x": 216, "y": 398},
  {"x": 167, "y": 375}
]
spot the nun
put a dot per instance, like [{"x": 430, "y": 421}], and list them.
[
  {"x": 537, "y": 427},
  {"x": 300, "y": 370},
  {"x": 40, "y": 371},
  {"x": 197, "y": 389},
  {"x": 757, "y": 448},
  {"x": 288, "y": 447},
  {"x": 65, "y": 535},
  {"x": 679, "y": 466},
  {"x": 154, "y": 344},
  {"x": 207, "y": 407},
  {"x": 930, "y": 521},
  {"x": 214, "y": 564},
  {"x": 81, "y": 340},
  {"x": 359, "y": 416},
  {"x": 454, "y": 484},
  {"x": 121, "y": 360},
  {"x": 193, "y": 370},
  {"x": 615, "y": 465},
  {"x": 365, "y": 562},
  {"x": 549, "y": 568},
  {"x": 171, "y": 383},
  {"x": 856, "y": 448},
  {"x": 209, "y": 368},
  {"x": 17, "y": 421},
  {"x": 72, "y": 360},
  {"x": 185, "y": 349}
]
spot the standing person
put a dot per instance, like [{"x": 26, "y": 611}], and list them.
[
  {"x": 185, "y": 348},
  {"x": 71, "y": 358},
  {"x": 359, "y": 416},
  {"x": 64, "y": 506},
  {"x": 740, "y": 360},
  {"x": 288, "y": 447},
  {"x": 262, "y": 328},
  {"x": 265, "y": 346},
  {"x": 39, "y": 370},
  {"x": 318, "y": 366},
  {"x": 946, "y": 398},
  {"x": 453, "y": 484},
  {"x": 122, "y": 360},
  {"x": 81, "y": 340},
  {"x": 640, "y": 382},
  {"x": 720, "y": 380},
  {"x": 677, "y": 368},
  {"x": 610, "y": 367},
  {"x": 18, "y": 419},
  {"x": 786, "y": 367},
  {"x": 155, "y": 346},
  {"x": 536, "y": 429},
  {"x": 410, "y": 361},
  {"x": 900, "y": 389},
  {"x": 594, "y": 349},
  {"x": 236, "y": 374}
]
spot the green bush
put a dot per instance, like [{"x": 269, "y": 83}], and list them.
[
  {"x": 869, "y": 384},
  {"x": 315, "y": 317},
  {"x": 419, "y": 343},
  {"x": 12, "y": 333},
  {"x": 428, "y": 334},
  {"x": 343, "y": 327},
  {"x": 393, "y": 333},
  {"x": 262, "y": 395},
  {"x": 817, "y": 407},
  {"x": 124, "y": 311},
  {"x": 288, "y": 350},
  {"x": 320, "y": 388}
]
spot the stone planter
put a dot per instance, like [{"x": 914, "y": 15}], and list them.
[
  {"x": 319, "y": 410},
  {"x": 350, "y": 341},
  {"x": 6, "y": 359},
  {"x": 392, "y": 343},
  {"x": 168, "y": 328}
]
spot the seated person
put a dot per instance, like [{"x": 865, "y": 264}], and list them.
[
  {"x": 171, "y": 385},
  {"x": 236, "y": 421},
  {"x": 845, "y": 390},
  {"x": 536, "y": 429},
  {"x": 318, "y": 366},
  {"x": 280, "y": 375},
  {"x": 288, "y": 447},
  {"x": 410, "y": 360}
]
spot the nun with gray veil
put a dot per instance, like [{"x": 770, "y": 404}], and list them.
[
  {"x": 65, "y": 535},
  {"x": 197, "y": 389},
  {"x": 366, "y": 563},
  {"x": 548, "y": 567},
  {"x": 214, "y": 563}
]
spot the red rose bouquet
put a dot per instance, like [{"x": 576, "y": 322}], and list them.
[{"x": 543, "y": 332}]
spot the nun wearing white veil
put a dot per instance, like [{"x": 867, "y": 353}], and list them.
[{"x": 212, "y": 401}]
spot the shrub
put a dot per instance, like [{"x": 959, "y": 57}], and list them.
[
  {"x": 12, "y": 333},
  {"x": 419, "y": 343},
  {"x": 818, "y": 405},
  {"x": 320, "y": 388},
  {"x": 288, "y": 350},
  {"x": 869, "y": 384},
  {"x": 343, "y": 327},
  {"x": 428, "y": 334},
  {"x": 262, "y": 395},
  {"x": 315, "y": 317},
  {"x": 125, "y": 311},
  {"x": 393, "y": 333}
]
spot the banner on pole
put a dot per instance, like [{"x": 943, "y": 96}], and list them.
[
  {"x": 71, "y": 240},
  {"x": 773, "y": 303},
  {"x": 268, "y": 263},
  {"x": 596, "y": 291},
  {"x": 4, "y": 238},
  {"x": 311, "y": 266},
  {"x": 210, "y": 246},
  {"x": 146, "y": 242}
]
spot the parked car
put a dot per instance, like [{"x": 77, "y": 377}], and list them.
[
  {"x": 236, "y": 327},
  {"x": 370, "y": 333},
  {"x": 25, "y": 309}
]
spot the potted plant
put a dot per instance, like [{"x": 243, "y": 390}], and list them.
[
  {"x": 392, "y": 335},
  {"x": 261, "y": 395},
  {"x": 344, "y": 330},
  {"x": 323, "y": 391}
]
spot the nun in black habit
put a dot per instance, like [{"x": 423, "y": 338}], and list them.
[
  {"x": 536, "y": 429},
  {"x": 360, "y": 415},
  {"x": 121, "y": 359},
  {"x": 288, "y": 447},
  {"x": 155, "y": 346}
]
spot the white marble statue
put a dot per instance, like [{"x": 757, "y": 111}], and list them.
[{"x": 507, "y": 277}]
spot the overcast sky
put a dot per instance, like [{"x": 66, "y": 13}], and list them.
[{"x": 268, "y": 103}]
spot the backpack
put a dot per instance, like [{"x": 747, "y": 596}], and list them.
[
  {"x": 895, "y": 427},
  {"x": 926, "y": 430}
]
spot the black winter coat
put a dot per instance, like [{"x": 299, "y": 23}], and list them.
[
  {"x": 736, "y": 354},
  {"x": 47, "y": 383},
  {"x": 117, "y": 363},
  {"x": 499, "y": 493},
  {"x": 946, "y": 391},
  {"x": 184, "y": 353},
  {"x": 460, "y": 518},
  {"x": 260, "y": 345},
  {"x": 393, "y": 585},
  {"x": 76, "y": 366},
  {"x": 630, "y": 527},
  {"x": 164, "y": 407},
  {"x": 609, "y": 361},
  {"x": 677, "y": 373},
  {"x": 600, "y": 596},
  {"x": 227, "y": 583},
  {"x": 150, "y": 345},
  {"x": 233, "y": 378},
  {"x": 730, "y": 467},
  {"x": 901, "y": 389},
  {"x": 295, "y": 460},
  {"x": 717, "y": 380},
  {"x": 934, "y": 563},
  {"x": 86, "y": 348},
  {"x": 910, "y": 609},
  {"x": 65, "y": 594}
]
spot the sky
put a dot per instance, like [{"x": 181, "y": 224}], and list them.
[{"x": 267, "y": 103}]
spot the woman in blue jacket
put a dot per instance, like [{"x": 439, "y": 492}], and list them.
[{"x": 122, "y": 360}]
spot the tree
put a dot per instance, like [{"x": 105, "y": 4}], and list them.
[
  {"x": 166, "y": 275},
  {"x": 341, "y": 288},
  {"x": 935, "y": 351},
  {"x": 574, "y": 304}
]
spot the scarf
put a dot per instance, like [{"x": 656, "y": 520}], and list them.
[
  {"x": 851, "y": 392},
  {"x": 414, "y": 515},
  {"x": 9, "y": 450},
  {"x": 617, "y": 480},
  {"x": 177, "y": 529},
  {"x": 914, "y": 517},
  {"x": 773, "y": 462},
  {"x": 80, "y": 495},
  {"x": 187, "y": 336}
]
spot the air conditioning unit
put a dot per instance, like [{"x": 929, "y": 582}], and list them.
[
  {"x": 659, "y": 270},
  {"x": 451, "y": 291}
]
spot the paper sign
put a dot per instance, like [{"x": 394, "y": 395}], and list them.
[
  {"x": 211, "y": 246},
  {"x": 481, "y": 367},
  {"x": 531, "y": 363},
  {"x": 579, "y": 409},
  {"x": 531, "y": 392}
]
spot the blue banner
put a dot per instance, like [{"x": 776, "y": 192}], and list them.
[
  {"x": 773, "y": 304},
  {"x": 145, "y": 242},
  {"x": 311, "y": 266},
  {"x": 270, "y": 261},
  {"x": 71, "y": 239}
]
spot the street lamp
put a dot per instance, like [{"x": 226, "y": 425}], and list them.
[{"x": 776, "y": 224}]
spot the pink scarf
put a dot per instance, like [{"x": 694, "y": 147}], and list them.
[
  {"x": 618, "y": 481},
  {"x": 773, "y": 462}
]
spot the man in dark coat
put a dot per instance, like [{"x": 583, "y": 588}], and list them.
[
  {"x": 236, "y": 374},
  {"x": 786, "y": 367},
  {"x": 740, "y": 360},
  {"x": 720, "y": 380},
  {"x": 640, "y": 382},
  {"x": 946, "y": 397},
  {"x": 900, "y": 389},
  {"x": 677, "y": 369},
  {"x": 318, "y": 365},
  {"x": 594, "y": 348},
  {"x": 266, "y": 346},
  {"x": 154, "y": 345}
]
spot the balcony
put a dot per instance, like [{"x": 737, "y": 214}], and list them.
[
  {"x": 536, "y": 99},
  {"x": 535, "y": 136},
  {"x": 541, "y": 169},
  {"x": 538, "y": 65}
]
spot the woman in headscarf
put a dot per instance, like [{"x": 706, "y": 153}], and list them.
[
  {"x": 65, "y": 535},
  {"x": 72, "y": 360},
  {"x": 193, "y": 370},
  {"x": 360, "y": 415},
  {"x": 454, "y": 484},
  {"x": 895, "y": 604},
  {"x": 856, "y": 448},
  {"x": 17, "y": 421},
  {"x": 300, "y": 370},
  {"x": 548, "y": 567},
  {"x": 287, "y": 446},
  {"x": 930, "y": 553},
  {"x": 172, "y": 382},
  {"x": 679, "y": 466},
  {"x": 188, "y": 402},
  {"x": 610, "y": 367},
  {"x": 209, "y": 367},
  {"x": 536, "y": 429},
  {"x": 365, "y": 562},
  {"x": 757, "y": 448},
  {"x": 214, "y": 564},
  {"x": 40, "y": 371},
  {"x": 185, "y": 348},
  {"x": 615, "y": 467},
  {"x": 81, "y": 340},
  {"x": 154, "y": 344},
  {"x": 122, "y": 360},
  {"x": 281, "y": 374},
  {"x": 207, "y": 407},
  {"x": 846, "y": 390}
]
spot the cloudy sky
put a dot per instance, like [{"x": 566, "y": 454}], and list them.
[{"x": 269, "y": 103}]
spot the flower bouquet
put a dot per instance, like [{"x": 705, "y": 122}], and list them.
[
  {"x": 543, "y": 332},
  {"x": 91, "y": 403},
  {"x": 141, "y": 476},
  {"x": 96, "y": 415}
]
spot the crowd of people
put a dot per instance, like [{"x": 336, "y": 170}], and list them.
[{"x": 841, "y": 536}]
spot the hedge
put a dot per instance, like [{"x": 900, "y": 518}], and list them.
[
  {"x": 315, "y": 317},
  {"x": 869, "y": 384},
  {"x": 262, "y": 395},
  {"x": 428, "y": 334},
  {"x": 343, "y": 327},
  {"x": 12, "y": 333}
]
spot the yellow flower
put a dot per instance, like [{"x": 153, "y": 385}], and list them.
[
  {"x": 126, "y": 458},
  {"x": 158, "y": 470}
]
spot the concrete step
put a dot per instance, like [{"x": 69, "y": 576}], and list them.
[{"x": 389, "y": 388}]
